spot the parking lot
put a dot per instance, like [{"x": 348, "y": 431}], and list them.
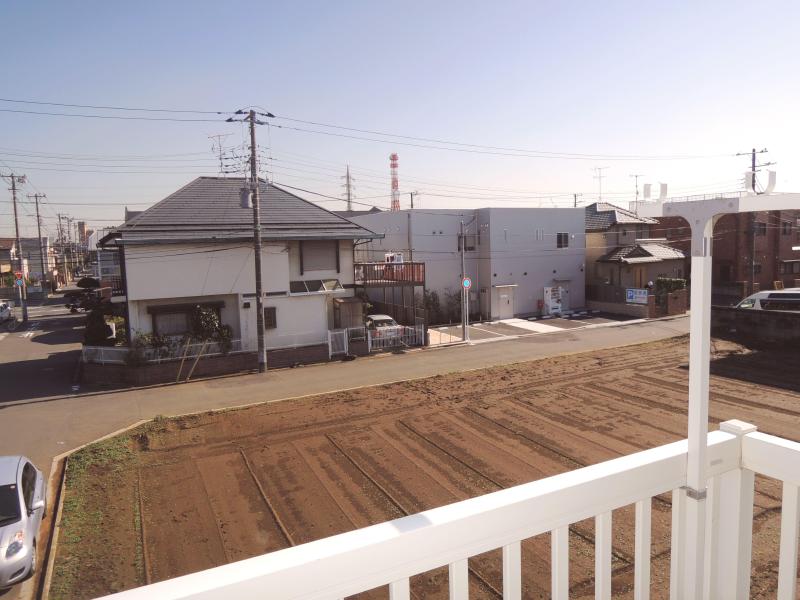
[{"x": 509, "y": 328}]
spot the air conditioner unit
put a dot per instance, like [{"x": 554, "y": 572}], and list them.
[{"x": 393, "y": 257}]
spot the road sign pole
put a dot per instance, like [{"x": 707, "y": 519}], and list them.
[{"x": 466, "y": 284}]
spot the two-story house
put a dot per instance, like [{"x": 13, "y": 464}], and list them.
[
  {"x": 196, "y": 247},
  {"x": 621, "y": 252}
]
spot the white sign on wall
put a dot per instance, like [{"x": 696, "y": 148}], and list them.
[{"x": 635, "y": 296}]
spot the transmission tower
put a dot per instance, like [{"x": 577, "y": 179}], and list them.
[
  {"x": 349, "y": 188},
  {"x": 218, "y": 148}
]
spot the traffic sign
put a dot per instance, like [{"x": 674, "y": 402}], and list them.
[
  {"x": 466, "y": 283},
  {"x": 17, "y": 275},
  {"x": 19, "y": 282}
]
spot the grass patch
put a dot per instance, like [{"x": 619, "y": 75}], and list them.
[{"x": 92, "y": 475}]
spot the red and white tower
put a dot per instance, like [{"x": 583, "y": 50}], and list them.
[{"x": 395, "y": 183}]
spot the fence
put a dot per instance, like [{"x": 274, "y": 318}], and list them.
[
  {"x": 391, "y": 553},
  {"x": 401, "y": 336},
  {"x": 295, "y": 340},
  {"x": 117, "y": 355}
]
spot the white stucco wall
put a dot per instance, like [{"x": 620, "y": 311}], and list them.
[
  {"x": 516, "y": 246},
  {"x": 177, "y": 274}
]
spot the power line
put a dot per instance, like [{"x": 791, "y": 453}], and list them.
[
  {"x": 164, "y": 110},
  {"x": 117, "y": 117}
]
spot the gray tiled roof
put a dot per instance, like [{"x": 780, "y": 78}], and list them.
[
  {"x": 601, "y": 216},
  {"x": 640, "y": 253},
  {"x": 209, "y": 209}
]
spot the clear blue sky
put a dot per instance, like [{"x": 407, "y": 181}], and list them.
[{"x": 610, "y": 78}]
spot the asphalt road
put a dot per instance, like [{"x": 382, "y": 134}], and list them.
[{"x": 38, "y": 360}]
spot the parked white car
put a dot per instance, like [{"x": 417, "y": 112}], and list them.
[
  {"x": 788, "y": 299},
  {"x": 6, "y": 312},
  {"x": 383, "y": 326}
]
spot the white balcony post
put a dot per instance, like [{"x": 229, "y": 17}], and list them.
[
  {"x": 512, "y": 571},
  {"x": 458, "y": 575},
  {"x": 559, "y": 563},
  {"x": 692, "y": 554},
  {"x": 790, "y": 529},
  {"x": 733, "y": 532}
]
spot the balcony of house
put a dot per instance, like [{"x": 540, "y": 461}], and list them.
[
  {"x": 715, "y": 564},
  {"x": 385, "y": 274}
]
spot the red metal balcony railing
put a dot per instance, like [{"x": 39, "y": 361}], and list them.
[{"x": 389, "y": 274}]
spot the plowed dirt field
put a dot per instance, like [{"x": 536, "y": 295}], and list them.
[{"x": 180, "y": 495}]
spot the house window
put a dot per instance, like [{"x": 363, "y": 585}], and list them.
[
  {"x": 171, "y": 323},
  {"x": 757, "y": 268},
  {"x": 315, "y": 286},
  {"x": 786, "y": 228},
  {"x": 562, "y": 240},
  {"x": 760, "y": 228},
  {"x": 270, "y": 317},
  {"x": 725, "y": 273},
  {"x": 319, "y": 255},
  {"x": 796, "y": 268}
]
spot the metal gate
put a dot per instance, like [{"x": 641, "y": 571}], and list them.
[{"x": 337, "y": 342}]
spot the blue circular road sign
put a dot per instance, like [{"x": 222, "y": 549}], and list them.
[{"x": 466, "y": 282}]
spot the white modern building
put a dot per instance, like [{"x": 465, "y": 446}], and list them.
[
  {"x": 511, "y": 254},
  {"x": 195, "y": 247}
]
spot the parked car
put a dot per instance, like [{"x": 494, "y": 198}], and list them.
[
  {"x": 788, "y": 300},
  {"x": 6, "y": 312},
  {"x": 23, "y": 504},
  {"x": 384, "y": 326}
]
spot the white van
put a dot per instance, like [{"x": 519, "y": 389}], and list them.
[{"x": 787, "y": 300}]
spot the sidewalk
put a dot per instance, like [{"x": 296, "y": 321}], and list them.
[{"x": 44, "y": 428}]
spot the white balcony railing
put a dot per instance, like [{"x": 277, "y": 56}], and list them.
[{"x": 390, "y": 553}]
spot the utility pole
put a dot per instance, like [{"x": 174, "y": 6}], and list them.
[
  {"x": 754, "y": 166},
  {"x": 464, "y": 292},
  {"x": 752, "y": 216},
  {"x": 599, "y": 176},
  {"x": 575, "y": 200},
  {"x": 39, "y": 232},
  {"x": 412, "y": 199},
  {"x": 21, "y": 289},
  {"x": 254, "y": 195},
  {"x": 262, "y": 350}
]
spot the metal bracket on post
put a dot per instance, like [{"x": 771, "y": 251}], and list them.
[{"x": 695, "y": 494}]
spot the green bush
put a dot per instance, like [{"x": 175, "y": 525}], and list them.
[{"x": 666, "y": 285}]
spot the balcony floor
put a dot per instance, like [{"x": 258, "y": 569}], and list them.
[{"x": 243, "y": 483}]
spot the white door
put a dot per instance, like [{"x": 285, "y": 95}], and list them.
[{"x": 507, "y": 304}]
